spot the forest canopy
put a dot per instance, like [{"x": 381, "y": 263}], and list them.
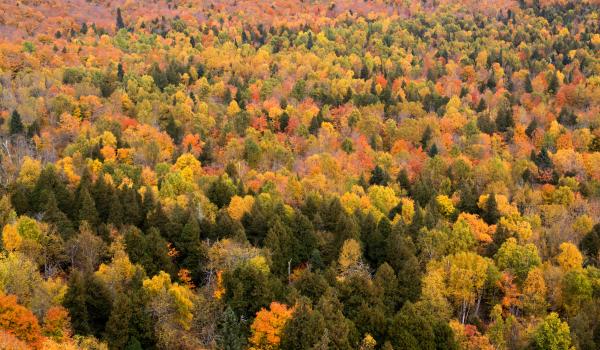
[{"x": 378, "y": 174}]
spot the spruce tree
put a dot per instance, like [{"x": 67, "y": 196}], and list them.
[
  {"x": 52, "y": 214},
  {"x": 400, "y": 255},
  {"x": 375, "y": 245},
  {"x": 504, "y": 118},
  {"x": 433, "y": 151},
  {"x": 528, "y": 85},
  {"x": 115, "y": 211},
  {"x": 98, "y": 304},
  {"x": 339, "y": 329},
  {"x": 87, "y": 208},
  {"x": 120, "y": 72},
  {"x": 75, "y": 302},
  {"x": 531, "y": 128},
  {"x": 156, "y": 257},
  {"x": 379, "y": 176},
  {"x": 491, "y": 213},
  {"x": 403, "y": 179},
  {"x": 131, "y": 204},
  {"x": 386, "y": 281},
  {"x": 248, "y": 289},
  {"x": 482, "y": 106},
  {"x": 280, "y": 242},
  {"x": 408, "y": 330},
  {"x": 230, "y": 331},
  {"x": 117, "y": 327},
  {"x": 102, "y": 193},
  {"x": 305, "y": 329},
  {"x": 553, "y": 83},
  {"x": 120, "y": 23},
  {"x": 315, "y": 125},
  {"x": 309, "y": 43},
  {"x": 426, "y": 137},
  {"x": 486, "y": 124},
  {"x": 15, "y": 124},
  {"x": 193, "y": 252},
  {"x": 595, "y": 144},
  {"x": 158, "y": 218}
]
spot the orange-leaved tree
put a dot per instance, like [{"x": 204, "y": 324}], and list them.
[
  {"x": 268, "y": 326},
  {"x": 19, "y": 321}
]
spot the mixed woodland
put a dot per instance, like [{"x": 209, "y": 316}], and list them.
[{"x": 290, "y": 175}]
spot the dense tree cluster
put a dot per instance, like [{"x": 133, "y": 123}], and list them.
[{"x": 398, "y": 175}]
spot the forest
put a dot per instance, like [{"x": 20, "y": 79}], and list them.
[{"x": 300, "y": 175}]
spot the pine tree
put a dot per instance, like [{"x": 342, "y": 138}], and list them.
[
  {"x": 418, "y": 221},
  {"x": 543, "y": 160},
  {"x": 174, "y": 129},
  {"x": 15, "y": 123},
  {"x": 491, "y": 83},
  {"x": 141, "y": 325}
]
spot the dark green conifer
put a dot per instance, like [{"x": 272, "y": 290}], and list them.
[{"x": 15, "y": 125}]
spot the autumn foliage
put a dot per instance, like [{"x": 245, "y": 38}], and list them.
[
  {"x": 381, "y": 174},
  {"x": 17, "y": 320}
]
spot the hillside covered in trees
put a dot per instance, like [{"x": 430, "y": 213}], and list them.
[{"x": 290, "y": 175}]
